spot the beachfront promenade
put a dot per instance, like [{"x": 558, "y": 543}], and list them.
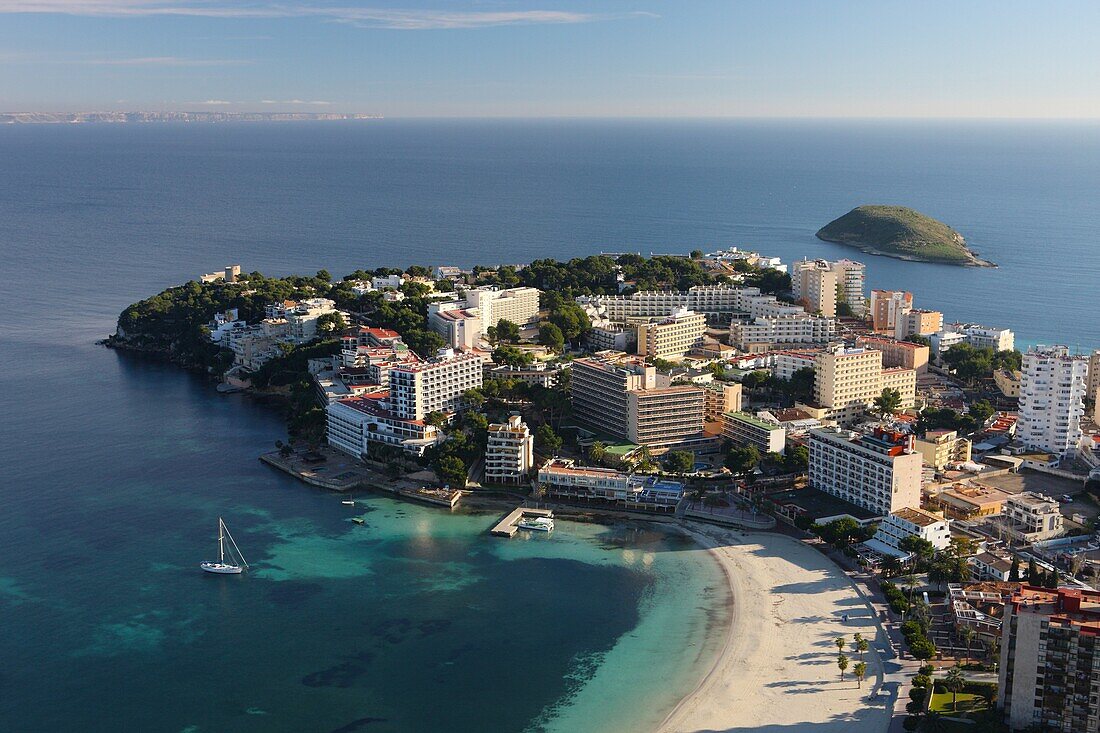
[{"x": 777, "y": 671}]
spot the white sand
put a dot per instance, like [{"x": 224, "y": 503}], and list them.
[{"x": 777, "y": 671}]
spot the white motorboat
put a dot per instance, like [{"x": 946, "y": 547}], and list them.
[
  {"x": 538, "y": 524},
  {"x": 224, "y": 566},
  {"x": 348, "y": 503}
]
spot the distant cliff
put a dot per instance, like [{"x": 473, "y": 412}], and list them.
[{"x": 896, "y": 231}]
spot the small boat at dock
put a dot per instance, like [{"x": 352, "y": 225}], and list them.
[
  {"x": 358, "y": 520},
  {"x": 537, "y": 524},
  {"x": 348, "y": 502}
]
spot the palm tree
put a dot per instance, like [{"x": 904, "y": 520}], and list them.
[
  {"x": 840, "y": 642},
  {"x": 967, "y": 635},
  {"x": 842, "y": 662},
  {"x": 861, "y": 645},
  {"x": 859, "y": 671},
  {"x": 954, "y": 681},
  {"x": 995, "y": 651},
  {"x": 910, "y": 581}
]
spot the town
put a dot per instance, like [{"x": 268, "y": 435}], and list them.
[{"x": 960, "y": 475}]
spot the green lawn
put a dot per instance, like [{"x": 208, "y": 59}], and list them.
[{"x": 967, "y": 703}]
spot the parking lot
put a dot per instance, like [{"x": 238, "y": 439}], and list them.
[{"x": 1052, "y": 486}]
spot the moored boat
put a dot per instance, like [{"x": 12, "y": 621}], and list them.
[{"x": 222, "y": 566}]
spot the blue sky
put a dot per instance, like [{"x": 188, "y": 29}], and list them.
[{"x": 539, "y": 58}]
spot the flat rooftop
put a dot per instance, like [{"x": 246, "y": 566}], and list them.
[
  {"x": 817, "y": 503},
  {"x": 919, "y": 517}
]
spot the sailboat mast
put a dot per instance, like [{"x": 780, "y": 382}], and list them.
[{"x": 221, "y": 541}]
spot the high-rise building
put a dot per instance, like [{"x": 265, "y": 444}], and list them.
[
  {"x": 720, "y": 398},
  {"x": 673, "y": 336},
  {"x": 433, "y": 386},
  {"x": 886, "y": 305},
  {"x": 510, "y": 452},
  {"x": 620, "y": 396},
  {"x": 821, "y": 286},
  {"x": 1049, "y": 676},
  {"x": 764, "y": 332},
  {"x": 1052, "y": 394},
  {"x": 879, "y": 472},
  {"x": 741, "y": 428},
  {"x": 916, "y": 322},
  {"x": 847, "y": 381},
  {"x": 518, "y": 305},
  {"x": 1094, "y": 377}
]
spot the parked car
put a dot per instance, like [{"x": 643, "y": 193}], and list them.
[{"x": 1065, "y": 498}]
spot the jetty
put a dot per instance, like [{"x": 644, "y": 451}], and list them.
[{"x": 508, "y": 526}]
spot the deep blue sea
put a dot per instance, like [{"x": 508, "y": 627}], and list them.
[{"x": 113, "y": 470}]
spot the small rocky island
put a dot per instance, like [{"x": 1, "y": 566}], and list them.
[{"x": 897, "y": 231}]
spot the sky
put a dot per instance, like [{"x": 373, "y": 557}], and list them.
[{"x": 556, "y": 58}]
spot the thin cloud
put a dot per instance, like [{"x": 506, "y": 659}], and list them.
[
  {"x": 294, "y": 101},
  {"x": 163, "y": 61},
  {"x": 215, "y": 102},
  {"x": 361, "y": 17}
]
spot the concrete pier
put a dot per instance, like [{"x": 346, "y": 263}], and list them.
[{"x": 508, "y": 526}]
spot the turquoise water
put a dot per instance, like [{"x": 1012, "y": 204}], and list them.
[{"x": 416, "y": 620}]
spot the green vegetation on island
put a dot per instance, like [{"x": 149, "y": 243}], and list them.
[{"x": 897, "y": 231}]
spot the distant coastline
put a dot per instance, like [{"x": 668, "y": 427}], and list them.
[{"x": 76, "y": 118}]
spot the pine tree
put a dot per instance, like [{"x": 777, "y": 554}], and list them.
[
  {"x": 1032, "y": 576},
  {"x": 1014, "y": 572}
]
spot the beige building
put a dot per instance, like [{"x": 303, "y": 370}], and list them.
[
  {"x": 518, "y": 305},
  {"x": 665, "y": 416},
  {"x": 941, "y": 447},
  {"x": 848, "y": 380},
  {"x": 718, "y": 399},
  {"x": 914, "y": 322},
  {"x": 966, "y": 501},
  {"x": 897, "y": 353},
  {"x": 821, "y": 285},
  {"x": 672, "y": 337},
  {"x": 885, "y": 307},
  {"x": 510, "y": 452},
  {"x": 1031, "y": 517},
  {"x": 1008, "y": 382}
]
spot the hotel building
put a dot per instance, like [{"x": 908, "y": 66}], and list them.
[
  {"x": 433, "y": 386},
  {"x": 561, "y": 478},
  {"x": 672, "y": 336},
  {"x": 1031, "y": 517},
  {"x": 897, "y": 353},
  {"x": 620, "y": 396},
  {"x": 914, "y": 322},
  {"x": 879, "y": 472},
  {"x": 909, "y": 522},
  {"x": 848, "y": 380},
  {"x": 1049, "y": 675},
  {"x": 797, "y": 328},
  {"x": 1052, "y": 395},
  {"x": 741, "y": 428},
  {"x": 356, "y": 422},
  {"x": 510, "y": 452},
  {"x": 941, "y": 447}
]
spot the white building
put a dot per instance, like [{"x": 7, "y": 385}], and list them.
[
  {"x": 387, "y": 282},
  {"x": 741, "y": 428},
  {"x": 821, "y": 285},
  {"x": 909, "y": 522},
  {"x": 459, "y": 327},
  {"x": 1052, "y": 400},
  {"x": 510, "y": 452},
  {"x": 706, "y": 299},
  {"x": 879, "y": 472},
  {"x": 356, "y": 422},
  {"x": 980, "y": 337},
  {"x": 560, "y": 478},
  {"x": 801, "y": 328},
  {"x": 1031, "y": 517},
  {"x": 518, "y": 305},
  {"x": 433, "y": 386}
]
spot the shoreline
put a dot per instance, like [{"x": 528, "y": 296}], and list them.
[
  {"x": 974, "y": 261},
  {"x": 778, "y": 668}
]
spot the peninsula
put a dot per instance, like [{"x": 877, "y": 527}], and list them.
[{"x": 903, "y": 233}]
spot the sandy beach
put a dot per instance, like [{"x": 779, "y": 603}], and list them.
[{"x": 777, "y": 670}]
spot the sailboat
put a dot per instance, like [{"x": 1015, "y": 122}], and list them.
[{"x": 221, "y": 566}]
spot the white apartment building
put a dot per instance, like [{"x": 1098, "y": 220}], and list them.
[
  {"x": 608, "y": 336},
  {"x": 1093, "y": 391},
  {"x": 510, "y": 452},
  {"x": 673, "y": 336},
  {"x": 561, "y": 478},
  {"x": 459, "y": 327},
  {"x": 801, "y": 328},
  {"x": 909, "y": 522},
  {"x": 1031, "y": 517},
  {"x": 356, "y": 422},
  {"x": 786, "y": 363},
  {"x": 1052, "y": 395},
  {"x": 980, "y": 337},
  {"x": 433, "y": 386},
  {"x": 387, "y": 282},
  {"x": 706, "y": 299},
  {"x": 518, "y": 305},
  {"x": 741, "y": 428},
  {"x": 879, "y": 472}
]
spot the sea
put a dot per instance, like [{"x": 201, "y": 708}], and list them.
[{"x": 114, "y": 469}]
